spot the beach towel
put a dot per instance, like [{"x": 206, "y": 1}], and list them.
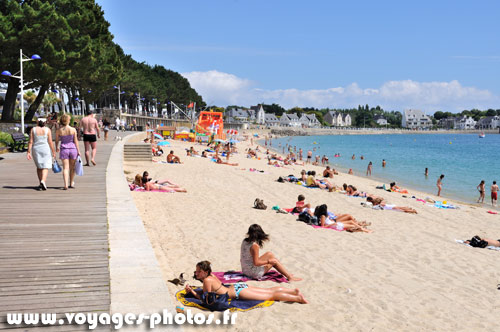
[
  {"x": 440, "y": 205},
  {"x": 488, "y": 247},
  {"x": 232, "y": 277},
  {"x": 234, "y": 305}
]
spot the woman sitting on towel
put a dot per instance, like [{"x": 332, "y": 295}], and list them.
[
  {"x": 256, "y": 266},
  {"x": 240, "y": 290}
]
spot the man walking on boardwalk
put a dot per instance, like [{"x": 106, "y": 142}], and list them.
[{"x": 90, "y": 130}]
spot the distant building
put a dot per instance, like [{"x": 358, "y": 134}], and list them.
[
  {"x": 380, "y": 120},
  {"x": 447, "y": 123},
  {"x": 259, "y": 114},
  {"x": 271, "y": 120},
  {"x": 465, "y": 123},
  {"x": 290, "y": 120},
  {"x": 489, "y": 122},
  {"x": 309, "y": 120},
  {"x": 338, "y": 119},
  {"x": 415, "y": 119}
]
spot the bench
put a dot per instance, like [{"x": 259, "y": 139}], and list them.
[{"x": 20, "y": 142}]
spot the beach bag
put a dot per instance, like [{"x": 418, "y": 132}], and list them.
[
  {"x": 79, "y": 166},
  {"x": 56, "y": 168},
  {"x": 259, "y": 204},
  {"x": 477, "y": 242},
  {"x": 214, "y": 302},
  {"x": 308, "y": 219}
]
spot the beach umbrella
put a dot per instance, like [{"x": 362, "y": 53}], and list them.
[
  {"x": 233, "y": 141},
  {"x": 150, "y": 130},
  {"x": 163, "y": 143},
  {"x": 219, "y": 140},
  {"x": 158, "y": 136},
  {"x": 256, "y": 135}
]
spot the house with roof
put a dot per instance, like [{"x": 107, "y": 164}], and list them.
[
  {"x": 259, "y": 114},
  {"x": 309, "y": 120},
  {"x": 415, "y": 119},
  {"x": 380, "y": 120},
  {"x": 333, "y": 118},
  {"x": 346, "y": 120},
  {"x": 465, "y": 123},
  {"x": 290, "y": 120},
  {"x": 489, "y": 122},
  {"x": 237, "y": 115},
  {"x": 271, "y": 120},
  {"x": 448, "y": 123}
]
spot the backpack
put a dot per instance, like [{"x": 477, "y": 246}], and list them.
[
  {"x": 214, "y": 302},
  {"x": 308, "y": 219},
  {"x": 259, "y": 204}
]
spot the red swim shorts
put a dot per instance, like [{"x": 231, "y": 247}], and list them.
[{"x": 494, "y": 195}]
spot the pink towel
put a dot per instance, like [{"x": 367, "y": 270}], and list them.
[{"x": 232, "y": 277}]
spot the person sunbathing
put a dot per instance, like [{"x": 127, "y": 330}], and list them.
[
  {"x": 351, "y": 190},
  {"x": 490, "y": 242},
  {"x": 380, "y": 202},
  {"x": 398, "y": 189},
  {"x": 240, "y": 290},
  {"x": 312, "y": 182},
  {"x": 148, "y": 185},
  {"x": 256, "y": 266},
  {"x": 338, "y": 222},
  {"x": 219, "y": 161},
  {"x": 173, "y": 159}
]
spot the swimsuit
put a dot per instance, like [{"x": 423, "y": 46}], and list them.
[
  {"x": 89, "y": 138},
  {"x": 238, "y": 287},
  {"x": 494, "y": 195}
]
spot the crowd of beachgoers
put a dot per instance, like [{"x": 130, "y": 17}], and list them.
[{"x": 392, "y": 251}]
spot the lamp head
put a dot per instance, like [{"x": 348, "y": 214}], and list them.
[
  {"x": 6, "y": 73},
  {"x": 36, "y": 57}
]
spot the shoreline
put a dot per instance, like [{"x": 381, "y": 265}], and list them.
[
  {"x": 382, "y": 179},
  {"x": 284, "y": 132}
]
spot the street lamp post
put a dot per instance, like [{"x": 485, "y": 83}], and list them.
[{"x": 22, "y": 58}]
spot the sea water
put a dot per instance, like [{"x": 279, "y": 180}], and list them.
[{"x": 464, "y": 159}]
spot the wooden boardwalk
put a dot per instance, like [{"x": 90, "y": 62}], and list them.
[{"x": 54, "y": 243}]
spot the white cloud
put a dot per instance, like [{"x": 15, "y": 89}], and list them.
[{"x": 224, "y": 89}]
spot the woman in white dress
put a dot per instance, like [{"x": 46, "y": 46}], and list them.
[{"x": 41, "y": 150}]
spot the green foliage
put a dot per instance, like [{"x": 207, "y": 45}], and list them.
[
  {"x": 274, "y": 108},
  {"x": 5, "y": 139}
]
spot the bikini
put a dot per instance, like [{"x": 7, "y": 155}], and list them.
[{"x": 238, "y": 287}]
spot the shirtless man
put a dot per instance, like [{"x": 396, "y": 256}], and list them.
[
  {"x": 173, "y": 159},
  {"x": 309, "y": 156},
  {"x": 328, "y": 173},
  {"x": 90, "y": 130},
  {"x": 494, "y": 193}
]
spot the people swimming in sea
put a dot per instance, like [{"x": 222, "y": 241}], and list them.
[
  {"x": 241, "y": 290},
  {"x": 383, "y": 163}
]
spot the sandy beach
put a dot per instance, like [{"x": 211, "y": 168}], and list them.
[{"x": 408, "y": 275}]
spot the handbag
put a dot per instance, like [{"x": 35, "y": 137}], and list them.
[
  {"x": 79, "y": 166},
  {"x": 56, "y": 168},
  {"x": 214, "y": 302}
]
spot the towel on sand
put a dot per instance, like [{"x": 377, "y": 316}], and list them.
[
  {"x": 189, "y": 300},
  {"x": 488, "y": 247},
  {"x": 232, "y": 277}
]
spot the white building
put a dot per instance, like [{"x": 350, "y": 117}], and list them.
[
  {"x": 489, "y": 122},
  {"x": 380, "y": 120},
  {"x": 260, "y": 116},
  {"x": 271, "y": 120},
  {"x": 415, "y": 119},
  {"x": 309, "y": 120},
  {"x": 338, "y": 119},
  {"x": 465, "y": 122},
  {"x": 290, "y": 120}
]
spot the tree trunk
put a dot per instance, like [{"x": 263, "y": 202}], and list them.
[
  {"x": 9, "y": 104},
  {"x": 36, "y": 104}
]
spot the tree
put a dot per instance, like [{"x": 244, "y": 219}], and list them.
[
  {"x": 439, "y": 115},
  {"x": 29, "y": 96},
  {"x": 274, "y": 108}
]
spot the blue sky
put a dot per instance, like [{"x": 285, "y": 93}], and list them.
[{"x": 430, "y": 55}]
